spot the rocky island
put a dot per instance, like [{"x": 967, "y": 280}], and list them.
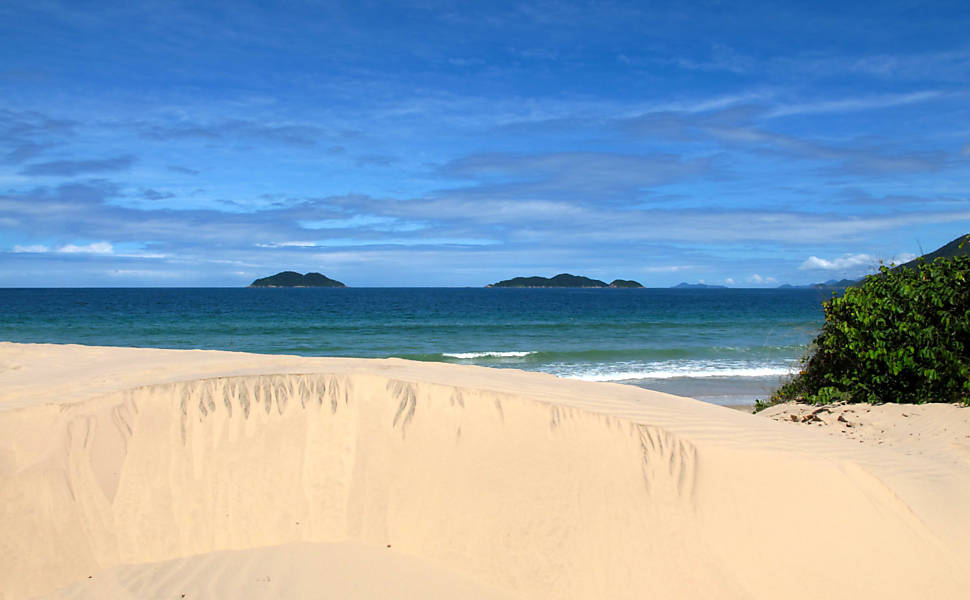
[
  {"x": 625, "y": 284},
  {"x": 563, "y": 280},
  {"x": 294, "y": 279}
]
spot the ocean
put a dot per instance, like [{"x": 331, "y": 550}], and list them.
[{"x": 727, "y": 346}]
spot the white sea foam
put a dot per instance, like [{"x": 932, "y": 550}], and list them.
[
  {"x": 494, "y": 354},
  {"x": 668, "y": 371}
]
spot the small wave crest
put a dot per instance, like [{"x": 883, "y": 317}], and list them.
[
  {"x": 489, "y": 354},
  {"x": 602, "y": 373}
]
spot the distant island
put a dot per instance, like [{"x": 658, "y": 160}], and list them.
[
  {"x": 698, "y": 286},
  {"x": 294, "y": 279},
  {"x": 625, "y": 284},
  {"x": 563, "y": 280},
  {"x": 831, "y": 284}
]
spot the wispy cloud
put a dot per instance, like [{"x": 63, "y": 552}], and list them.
[
  {"x": 92, "y": 248},
  {"x": 291, "y": 134},
  {"x": 746, "y": 128},
  {"x": 945, "y": 66},
  {"x": 25, "y": 135},
  {"x": 593, "y": 176},
  {"x": 150, "y": 194},
  {"x": 31, "y": 249},
  {"x": 23, "y": 152},
  {"x": 858, "y": 157},
  {"x": 70, "y": 168},
  {"x": 666, "y": 268},
  {"x": 952, "y": 65},
  {"x": 182, "y": 170},
  {"x": 374, "y": 160},
  {"x": 720, "y": 58},
  {"x": 855, "y": 104},
  {"x": 29, "y": 124}
]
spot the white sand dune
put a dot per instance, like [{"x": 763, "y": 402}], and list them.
[{"x": 146, "y": 473}]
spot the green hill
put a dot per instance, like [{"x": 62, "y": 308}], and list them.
[
  {"x": 294, "y": 279},
  {"x": 563, "y": 280},
  {"x": 625, "y": 284},
  {"x": 958, "y": 247}
]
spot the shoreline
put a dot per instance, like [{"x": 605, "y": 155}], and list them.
[
  {"x": 654, "y": 340},
  {"x": 720, "y": 391},
  {"x": 522, "y": 484}
]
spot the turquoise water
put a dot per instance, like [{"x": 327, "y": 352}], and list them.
[{"x": 721, "y": 345}]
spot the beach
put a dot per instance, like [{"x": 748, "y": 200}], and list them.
[
  {"x": 456, "y": 300},
  {"x": 135, "y": 472}
]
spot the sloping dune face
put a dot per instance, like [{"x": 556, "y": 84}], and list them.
[{"x": 538, "y": 498}]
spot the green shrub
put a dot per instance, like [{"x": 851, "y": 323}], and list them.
[{"x": 903, "y": 335}]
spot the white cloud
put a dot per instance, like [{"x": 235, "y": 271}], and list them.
[
  {"x": 35, "y": 249},
  {"x": 93, "y": 248},
  {"x": 666, "y": 269},
  {"x": 846, "y": 261},
  {"x": 97, "y": 248},
  {"x": 729, "y": 281},
  {"x": 756, "y": 278}
]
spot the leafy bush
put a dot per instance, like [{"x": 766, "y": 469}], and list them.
[{"x": 901, "y": 336}]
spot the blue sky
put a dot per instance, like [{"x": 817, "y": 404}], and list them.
[{"x": 459, "y": 143}]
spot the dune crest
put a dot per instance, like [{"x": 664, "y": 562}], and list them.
[{"x": 522, "y": 483}]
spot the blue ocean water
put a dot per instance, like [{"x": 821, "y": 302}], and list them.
[{"x": 721, "y": 345}]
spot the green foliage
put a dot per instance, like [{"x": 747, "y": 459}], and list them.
[
  {"x": 562, "y": 280},
  {"x": 294, "y": 279},
  {"x": 903, "y": 335}
]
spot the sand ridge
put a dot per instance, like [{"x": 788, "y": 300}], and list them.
[{"x": 521, "y": 483}]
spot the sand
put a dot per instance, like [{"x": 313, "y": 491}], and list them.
[
  {"x": 143, "y": 473},
  {"x": 941, "y": 432}
]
